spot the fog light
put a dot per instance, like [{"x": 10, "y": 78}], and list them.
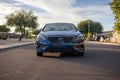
[{"x": 77, "y": 48}]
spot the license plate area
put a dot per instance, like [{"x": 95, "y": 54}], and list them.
[{"x": 59, "y": 44}]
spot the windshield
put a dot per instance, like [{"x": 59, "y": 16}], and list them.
[{"x": 59, "y": 27}]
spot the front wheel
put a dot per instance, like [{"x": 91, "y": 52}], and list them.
[{"x": 39, "y": 54}]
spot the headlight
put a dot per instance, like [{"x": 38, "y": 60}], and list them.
[
  {"x": 79, "y": 37},
  {"x": 40, "y": 37}
]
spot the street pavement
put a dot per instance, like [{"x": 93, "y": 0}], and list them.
[{"x": 101, "y": 62}]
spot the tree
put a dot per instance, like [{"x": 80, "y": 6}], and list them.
[
  {"x": 17, "y": 29},
  {"x": 115, "y": 6},
  {"x": 22, "y": 19},
  {"x": 3, "y": 28},
  {"x": 90, "y": 27}
]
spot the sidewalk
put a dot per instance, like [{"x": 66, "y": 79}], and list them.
[
  {"x": 107, "y": 43},
  {"x": 6, "y": 44}
]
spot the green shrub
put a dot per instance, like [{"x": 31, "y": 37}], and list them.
[{"x": 4, "y": 37}]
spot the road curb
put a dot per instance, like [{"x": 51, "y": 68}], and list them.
[{"x": 10, "y": 46}]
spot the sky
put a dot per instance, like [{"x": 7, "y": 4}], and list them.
[{"x": 72, "y": 11}]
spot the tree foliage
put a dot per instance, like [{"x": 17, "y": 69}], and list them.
[
  {"x": 89, "y": 26},
  {"x": 115, "y": 6},
  {"x": 3, "y": 28},
  {"x": 17, "y": 29},
  {"x": 23, "y": 20}
]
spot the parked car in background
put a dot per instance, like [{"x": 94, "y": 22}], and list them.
[{"x": 60, "y": 37}]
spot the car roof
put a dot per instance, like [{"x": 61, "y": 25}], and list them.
[{"x": 60, "y": 23}]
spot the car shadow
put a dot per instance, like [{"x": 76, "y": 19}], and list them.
[
  {"x": 69, "y": 55},
  {"x": 61, "y": 55}
]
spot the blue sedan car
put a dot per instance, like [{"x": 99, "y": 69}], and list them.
[{"x": 60, "y": 37}]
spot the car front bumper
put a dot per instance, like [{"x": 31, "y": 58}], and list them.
[{"x": 43, "y": 46}]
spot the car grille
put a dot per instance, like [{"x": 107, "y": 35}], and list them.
[{"x": 60, "y": 39}]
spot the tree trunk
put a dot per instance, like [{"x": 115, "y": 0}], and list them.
[{"x": 21, "y": 36}]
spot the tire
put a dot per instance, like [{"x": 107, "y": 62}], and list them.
[
  {"x": 80, "y": 53},
  {"x": 39, "y": 54}
]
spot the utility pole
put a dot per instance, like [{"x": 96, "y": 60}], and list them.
[
  {"x": 88, "y": 29},
  {"x": 88, "y": 33}
]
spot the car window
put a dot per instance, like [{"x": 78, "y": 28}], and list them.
[{"x": 59, "y": 27}]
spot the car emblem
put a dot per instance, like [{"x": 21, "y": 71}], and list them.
[{"x": 60, "y": 39}]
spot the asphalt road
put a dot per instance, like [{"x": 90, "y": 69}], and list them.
[{"x": 101, "y": 62}]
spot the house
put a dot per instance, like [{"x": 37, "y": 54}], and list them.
[
  {"x": 9, "y": 35},
  {"x": 104, "y": 36}
]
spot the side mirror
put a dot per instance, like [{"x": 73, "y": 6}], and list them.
[
  {"x": 39, "y": 30},
  {"x": 81, "y": 30}
]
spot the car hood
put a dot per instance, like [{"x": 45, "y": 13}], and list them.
[{"x": 60, "y": 33}]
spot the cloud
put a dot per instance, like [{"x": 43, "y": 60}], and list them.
[
  {"x": 58, "y": 10},
  {"x": 5, "y": 9}
]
